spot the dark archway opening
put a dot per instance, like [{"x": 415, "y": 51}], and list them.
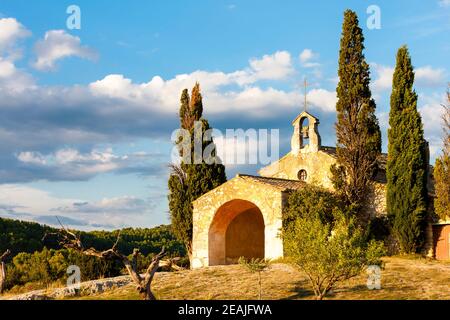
[{"x": 237, "y": 231}]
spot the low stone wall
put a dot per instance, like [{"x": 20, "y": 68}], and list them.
[{"x": 86, "y": 288}]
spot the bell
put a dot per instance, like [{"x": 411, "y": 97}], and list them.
[{"x": 305, "y": 132}]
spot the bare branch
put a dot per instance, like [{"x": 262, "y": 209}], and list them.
[
  {"x": 3, "y": 269},
  {"x": 5, "y": 255},
  {"x": 70, "y": 240},
  {"x": 177, "y": 171}
]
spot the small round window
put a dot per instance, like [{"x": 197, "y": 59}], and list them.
[{"x": 302, "y": 175}]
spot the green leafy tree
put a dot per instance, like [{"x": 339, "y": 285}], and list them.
[
  {"x": 407, "y": 159},
  {"x": 322, "y": 238},
  {"x": 311, "y": 202},
  {"x": 357, "y": 130},
  {"x": 194, "y": 177},
  {"x": 329, "y": 252},
  {"x": 442, "y": 169},
  {"x": 21, "y": 236}
]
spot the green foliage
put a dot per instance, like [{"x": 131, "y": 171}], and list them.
[
  {"x": 48, "y": 266},
  {"x": 254, "y": 264},
  {"x": 311, "y": 202},
  {"x": 196, "y": 102},
  {"x": 21, "y": 236},
  {"x": 327, "y": 251},
  {"x": 442, "y": 186},
  {"x": 184, "y": 107},
  {"x": 357, "y": 130},
  {"x": 442, "y": 169},
  {"x": 189, "y": 181},
  {"x": 146, "y": 240},
  {"x": 374, "y": 251},
  {"x": 44, "y": 262},
  {"x": 407, "y": 163}
]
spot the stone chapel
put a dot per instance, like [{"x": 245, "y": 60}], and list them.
[{"x": 243, "y": 216}]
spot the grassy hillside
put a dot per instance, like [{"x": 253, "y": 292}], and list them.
[{"x": 401, "y": 279}]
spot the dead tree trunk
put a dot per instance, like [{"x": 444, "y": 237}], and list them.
[
  {"x": 143, "y": 283},
  {"x": 3, "y": 270}
]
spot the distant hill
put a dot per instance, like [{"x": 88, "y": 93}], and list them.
[{"x": 22, "y": 236}]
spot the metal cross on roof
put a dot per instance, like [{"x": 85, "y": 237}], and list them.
[{"x": 305, "y": 104}]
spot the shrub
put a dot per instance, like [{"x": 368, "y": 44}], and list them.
[{"x": 325, "y": 243}]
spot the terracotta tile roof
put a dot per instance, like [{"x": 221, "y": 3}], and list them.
[
  {"x": 282, "y": 184},
  {"x": 330, "y": 150}
]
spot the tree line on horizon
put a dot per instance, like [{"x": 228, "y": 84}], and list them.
[{"x": 23, "y": 236}]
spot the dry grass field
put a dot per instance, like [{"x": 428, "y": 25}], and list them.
[{"x": 402, "y": 278}]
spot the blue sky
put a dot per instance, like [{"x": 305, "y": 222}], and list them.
[{"x": 86, "y": 115}]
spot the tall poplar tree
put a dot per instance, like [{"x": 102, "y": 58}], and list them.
[
  {"x": 442, "y": 169},
  {"x": 407, "y": 159},
  {"x": 357, "y": 130},
  {"x": 190, "y": 180}
]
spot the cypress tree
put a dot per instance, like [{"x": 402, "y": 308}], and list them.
[
  {"x": 196, "y": 106},
  {"x": 188, "y": 181},
  {"x": 357, "y": 130},
  {"x": 184, "y": 108},
  {"x": 407, "y": 159}
]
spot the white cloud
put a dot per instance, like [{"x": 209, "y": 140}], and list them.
[
  {"x": 323, "y": 99},
  {"x": 426, "y": 76},
  {"x": 164, "y": 94},
  {"x": 32, "y": 157},
  {"x": 31, "y": 200},
  {"x": 11, "y": 31},
  {"x": 306, "y": 58},
  {"x": 430, "y": 77},
  {"x": 38, "y": 124},
  {"x": 31, "y": 204},
  {"x": 431, "y": 110},
  {"x": 383, "y": 80},
  {"x": 56, "y": 45},
  {"x": 271, "y": 67},
  {"x": 306, "y": 55},
  {"x": 444, "y": 3},
  {"x": 276, "y": 66},
  {"x": 13, "y": 79},
  {"x": 123, "y": 204},
  {"x": 70, "y": 164}
]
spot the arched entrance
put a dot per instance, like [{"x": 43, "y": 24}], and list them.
[{"x": 237, "y": 230}]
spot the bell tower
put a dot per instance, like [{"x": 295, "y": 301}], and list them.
[{"x": 306, "y": 137}]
